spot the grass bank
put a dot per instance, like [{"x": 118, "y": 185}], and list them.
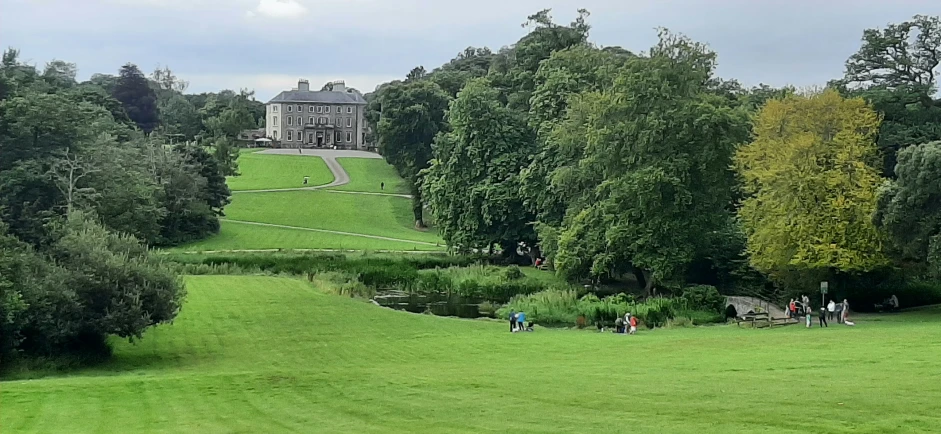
[{"x": 261, "y": 354}]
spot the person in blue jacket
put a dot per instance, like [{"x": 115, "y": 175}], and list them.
[{"x": 521, "y": 321}]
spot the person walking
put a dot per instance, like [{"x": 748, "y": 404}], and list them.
[
  {"x": 299, "y": 151},
  {"x": 520, "y": 322},
  {"x": 823, "y": 317},
  {"x": 512, "y": 321},
  {"x": 382, "y": 186},
  {"x": 846, "y": 310},
  {"x": 831, "y": 308}
]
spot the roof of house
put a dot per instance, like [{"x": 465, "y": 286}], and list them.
[{"x": 326, "y": 97}]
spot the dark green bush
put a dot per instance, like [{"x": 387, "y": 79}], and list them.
[{"x": 705, "y": 297}]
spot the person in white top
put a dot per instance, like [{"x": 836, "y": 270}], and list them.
[{"x": 831, "y": 308}]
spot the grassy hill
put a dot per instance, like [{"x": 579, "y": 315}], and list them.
[
  {"x": 266, "y": 171},
  {"x": 367, "y": 175},
  {"x": 262, "y": 354},
  {"x": 365, "y": 221}
]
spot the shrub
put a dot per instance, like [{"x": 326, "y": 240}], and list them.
[
  {"x": 91, "y": 283},
  {"x": 343, "y": 284},
  {"x": 564, "y": 307},
  {"x": 705, "y": 297},
  {"x": 512, "y": 272}
]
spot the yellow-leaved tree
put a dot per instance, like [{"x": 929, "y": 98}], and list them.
[{"x": 811, "y": 184}]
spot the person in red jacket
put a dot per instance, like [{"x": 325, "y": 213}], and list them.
[{"x": 633, "y": 324}]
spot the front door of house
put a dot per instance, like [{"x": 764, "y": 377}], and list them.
[{"x": 319, "y": 140}]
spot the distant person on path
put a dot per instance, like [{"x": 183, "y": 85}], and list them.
[
  {"x": 807, "y": 318},
  {"x": 633, "y": 324},
  {"x": 382, "y": 186},
  {"x": 831, "y": 308},
  {"x": 823, "y": 317},
  {"x": 306, "y": 179},
  {"x": 838, "y": 311},
  {"x": 512, "y": 321}
]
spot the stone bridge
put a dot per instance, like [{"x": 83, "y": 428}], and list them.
[{"x": 744, "y": 305}]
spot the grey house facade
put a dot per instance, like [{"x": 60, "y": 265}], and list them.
[{"x": 302, "y": 118}]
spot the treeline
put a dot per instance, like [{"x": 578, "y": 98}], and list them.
[
  {"x": 91, "y": 174},
  {"x": 613, "y": 163}
]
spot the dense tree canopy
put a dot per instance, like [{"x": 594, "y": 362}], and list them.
[
  {"x": 472, "y": 185},
  {"x": 812, "y": 181},
  {"x": 910, "y": 207}
]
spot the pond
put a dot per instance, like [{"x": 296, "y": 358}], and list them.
[{"x": 436, "y": 304}]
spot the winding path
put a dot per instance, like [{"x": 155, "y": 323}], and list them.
[{"x": 329, "y": 156}]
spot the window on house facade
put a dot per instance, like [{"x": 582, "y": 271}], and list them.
[
  {"x": 274, "y": 109},
  {"x": 274, "y": 121},
  {"x": 349, "y": 109},
  {"x": 349, "y": 137},
  {"x": 300, "y": 121},
  {"x": 337, "y": 136},
  {"x": 299, "y": 108},
  {"x": 310, "y": 120},
  {"x": 310, "y": 109},
  {"x": 323, "y": 120},
  {"x": 290, "y": 135},
  {"x": 338, "y": 109},
  {"x": 290, "y": 108},
  {"x": 349, "y": 122},
  {"x": 319, "y": 109},
  {"x": 310, "y": 137},
  {"x": 290, "y": 120}
]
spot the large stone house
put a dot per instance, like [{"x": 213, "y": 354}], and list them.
[{"x": 302, "y": 118}]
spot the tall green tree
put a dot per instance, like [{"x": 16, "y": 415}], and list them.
[
  {"x": 909, "y": 207},
  {"x": 653, "y": 175},
  {"x": 896, "y": 70},
  {"x": 812, "y": 186},
  {"x": 137, "y": 97},
  {"x": 410, "y": 116},
  {"x": 472, "y": 186}
]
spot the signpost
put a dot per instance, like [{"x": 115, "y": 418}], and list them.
[{"x": 824, "y": 288}]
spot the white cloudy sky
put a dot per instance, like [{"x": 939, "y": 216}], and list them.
[{"x": 267, "y": 45}]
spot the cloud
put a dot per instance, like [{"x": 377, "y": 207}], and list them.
[
  {"x": 266, "y": 86},
  {"x": 279, "y": 9}
]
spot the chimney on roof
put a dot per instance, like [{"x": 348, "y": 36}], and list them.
[
  {"x": 339, "y": 86},
  {"x": 303, "y": 84}
]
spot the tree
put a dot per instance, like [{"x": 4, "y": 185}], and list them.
[
  {"x": 138, "y": 99},
  {"x": 652, "y": 175},
  {"x": 909, "y": 208},
  {"x": 901, "y": 55},
  {"x": 896, "y": 71},
  {"x": 472, "y": 186},
  {"x": 410, "y": 116},
  {"x": 60, "y": 74},
  {"x": 167, "y": 80},
  {"x": 812, "y": 184},
  {"x": 67, "y": 172},
  {"x": 417, "y": 73}
]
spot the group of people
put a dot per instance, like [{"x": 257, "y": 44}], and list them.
[
  {"x": 801, "y": 307},
  {"x": 518, "y": 322},
  {"x": 627, "y": 325}
]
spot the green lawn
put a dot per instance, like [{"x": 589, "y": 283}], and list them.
[
  {"x": 262, "y": 354},
  {"x": 368, "y": 174},
  {"x": 386, "y": 216},
  {"x": 235, "y": 236},
  {"x": 264, "y": 171}
]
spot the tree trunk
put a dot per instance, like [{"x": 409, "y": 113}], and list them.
[
  {"x": 645, "y": 279},
  {"x": 418, "y": 209}
]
